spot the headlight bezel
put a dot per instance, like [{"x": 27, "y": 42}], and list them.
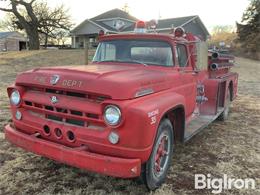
[
  {"x": 15, "y": 103},
  {"x": 117, "y": 109}
]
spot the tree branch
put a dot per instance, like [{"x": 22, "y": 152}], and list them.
[
  {"x": 23, "y": 2},
  {"x": 29, "y": 9},
  {"x": 18, "y": 15},
  {"x": 6, "y": 10}
]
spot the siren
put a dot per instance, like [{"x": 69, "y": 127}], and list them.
[
  {"x": 101, "y": 33},
  {"x": 179, "y": 32},
  {"x": 140, "y": 27},
  {"x": 152, "y": 24}
]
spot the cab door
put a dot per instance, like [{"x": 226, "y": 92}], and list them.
[{"x": 187, "y": 78}]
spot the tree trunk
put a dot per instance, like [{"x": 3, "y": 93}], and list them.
[
  {"x": 46, "y": 41},
  {"x": 34, "y": 43}
]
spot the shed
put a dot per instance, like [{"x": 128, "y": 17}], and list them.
[{"x": 12, "y": 41}]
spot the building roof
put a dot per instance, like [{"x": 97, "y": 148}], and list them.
[
  {"x": 169, "y": 23},
  {"x": 112, "y": 14},
  {"x": 163, "y": 24},
  {"x": 5, "y": 34},
  {"x": 13, "y": 35},
  {"x": 174, "y": 22},
  {"x": 115, "y": 13}
]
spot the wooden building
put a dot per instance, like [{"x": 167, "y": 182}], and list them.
[{"x": 12, "y": 41}]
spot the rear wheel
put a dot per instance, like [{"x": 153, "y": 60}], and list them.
[
  {"x": 224, "y": 115},
  {"x": 155, "y": 169}
]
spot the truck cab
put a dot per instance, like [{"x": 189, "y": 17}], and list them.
[{"x": 122, "y": 114}]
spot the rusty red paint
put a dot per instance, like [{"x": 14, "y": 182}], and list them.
[{"x": 83, "y": 92}]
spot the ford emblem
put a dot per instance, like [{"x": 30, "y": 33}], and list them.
[{"x": 54, "y": 99}]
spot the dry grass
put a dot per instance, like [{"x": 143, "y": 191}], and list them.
[{"x": 230, "y": 147}]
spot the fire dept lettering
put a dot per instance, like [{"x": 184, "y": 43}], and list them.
[
  {"x": 72, "y": 83},
  {"x": 40, "y": 79}
]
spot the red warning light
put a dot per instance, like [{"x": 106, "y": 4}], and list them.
[
  {"x": 140, "y": 24},
  {"x": 140, "y": 27}
]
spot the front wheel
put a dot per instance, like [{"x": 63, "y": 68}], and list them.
[{"x": 155, "y": 169}]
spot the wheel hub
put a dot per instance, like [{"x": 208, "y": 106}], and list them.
[{"x": 161, "y": 156}]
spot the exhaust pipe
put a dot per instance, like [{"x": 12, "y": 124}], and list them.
[
  {"x": 216, "y": 55},
  {"x": 215, "y": 66}
]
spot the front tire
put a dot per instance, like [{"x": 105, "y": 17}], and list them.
[{"x": 155, "y": 169}]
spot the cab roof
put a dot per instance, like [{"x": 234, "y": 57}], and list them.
[{"x": 155, "y": 36}]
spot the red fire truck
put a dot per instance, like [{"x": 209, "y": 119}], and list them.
[{"x": 122, "y": 114}]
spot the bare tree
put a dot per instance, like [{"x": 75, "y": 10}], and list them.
[
  {"x": 37, "y": 18},
  {"x": 61, "y": 37},
  {"x": 52, "y": 21}
]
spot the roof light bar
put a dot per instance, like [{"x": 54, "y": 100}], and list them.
[{"x": 140, "y": 27}]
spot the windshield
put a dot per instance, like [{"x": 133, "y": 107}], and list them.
[{"x": 146, "y": 52}]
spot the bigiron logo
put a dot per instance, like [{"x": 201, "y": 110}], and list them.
[{"x": 225, "y": 183}]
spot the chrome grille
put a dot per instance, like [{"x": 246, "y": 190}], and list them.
[{"x": 37, "y": 100}]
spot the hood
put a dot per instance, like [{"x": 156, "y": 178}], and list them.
[{"x": 115, "y": 81}]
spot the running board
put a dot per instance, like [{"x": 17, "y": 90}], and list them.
[{"x": 199, "y": 123}]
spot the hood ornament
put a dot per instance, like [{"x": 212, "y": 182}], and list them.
[
  {"x": 54, "y": 79},
  {"x": 54, "y": 99}
]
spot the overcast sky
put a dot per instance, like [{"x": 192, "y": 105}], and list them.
[{"x": 212, "y": 12}]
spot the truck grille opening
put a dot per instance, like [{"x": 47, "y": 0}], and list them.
[
  {"x": 89, "y": 96},
  {"x": 73, "y": 94},
  {"x": 92, "y": 116},
  {"x": 54, "y": 91},
  {"x": 28, "y": 103},
  {"x": 75, "y": 112},
  {"x": 49, "y": 108},
  {"x": 75, "y": 122},
  {"x": 68, "y": 93},
  {"x": 61, "y": 110},
  {"x": 53, "y": 117},
  {"x": 37, "y": 105}
]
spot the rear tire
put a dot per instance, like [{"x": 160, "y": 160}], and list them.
[
  {"x": 154, "y": 171},
  {"x": 224, "y": 115}
]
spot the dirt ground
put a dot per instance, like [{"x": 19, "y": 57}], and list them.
[{"x": 231, "y": 147}]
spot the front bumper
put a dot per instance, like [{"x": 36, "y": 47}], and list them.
[{"x": 77, "y": 157}]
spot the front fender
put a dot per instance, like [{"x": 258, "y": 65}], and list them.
[{"x": 142, "y": 117}]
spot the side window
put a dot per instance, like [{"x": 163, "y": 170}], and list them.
[{"x": 182, "y": 55}]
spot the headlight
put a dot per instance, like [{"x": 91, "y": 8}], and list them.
[
  {"x": 15, "y": 97},
  {"x": 112, "y": 115}
]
